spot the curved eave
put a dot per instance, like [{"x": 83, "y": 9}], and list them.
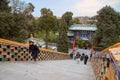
[{"x": 82, "y": 30}]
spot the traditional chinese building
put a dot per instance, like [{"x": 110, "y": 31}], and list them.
[{"x": 83, "y": 31}]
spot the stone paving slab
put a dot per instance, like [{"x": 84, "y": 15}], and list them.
[{"x": 46, "y": 70}]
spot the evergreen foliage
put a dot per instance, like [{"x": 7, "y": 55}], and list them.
[
  {"x": 62, "y": 44},
  {"x": 47, "y": 22},
  {"x": 68, "y": 18},
  {"x": 15, "y": 26},
  {"x": 108, "y": 27},
  {"x": 4, "y": 6}
]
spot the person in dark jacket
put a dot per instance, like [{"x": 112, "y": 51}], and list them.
[
  {"x": 85, "y": 59},
  {"x": 82, "y": 57},
  {"x": 33, "y": 49}
]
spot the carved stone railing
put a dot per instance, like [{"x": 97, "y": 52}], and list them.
[{"x": 15, "y": 51}]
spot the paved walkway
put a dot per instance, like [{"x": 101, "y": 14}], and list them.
[{"x": 46, "y": 70}]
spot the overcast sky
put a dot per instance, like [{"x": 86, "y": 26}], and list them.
[{"x": 78, "y": 7}]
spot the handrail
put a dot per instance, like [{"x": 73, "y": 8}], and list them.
[
  {"x": 26, "y": 45},
  {"x": 115, "y": 66}
]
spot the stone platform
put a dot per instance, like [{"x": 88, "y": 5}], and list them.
[{"x": 46, "y": 70}]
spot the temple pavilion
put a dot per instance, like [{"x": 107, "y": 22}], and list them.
[{"x": 83, "y": 31}]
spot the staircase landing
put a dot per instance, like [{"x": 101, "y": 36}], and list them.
[{"x": 46, "y": 70}]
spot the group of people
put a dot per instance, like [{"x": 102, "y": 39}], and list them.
[
  {"x": 80, "y": 57},
  {"x": 34, "y": 50}
]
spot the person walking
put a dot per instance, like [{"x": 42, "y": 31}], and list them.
[
  {"x": 91, "y": 56},
  {"x": 75, "y": 52},
  {"x": 78, "y": 57},
  {"x": 82, "y": 57},
  {"x": 85, "y": 59},
  {"x": 33, "y": 49}
]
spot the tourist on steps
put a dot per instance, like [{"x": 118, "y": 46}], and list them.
[
  {"x": 82, "y": 57},
  {"x": 85, "y": 59},
  {"x": 33, "y": 49},
  {"x": 78, "y": 57},
  {"x": 75, "y": 52}
]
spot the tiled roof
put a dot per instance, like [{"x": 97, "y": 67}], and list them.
[{"x": 89, "y": 27}]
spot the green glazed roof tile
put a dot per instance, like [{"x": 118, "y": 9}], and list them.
[{"x": 89, "y": 27}]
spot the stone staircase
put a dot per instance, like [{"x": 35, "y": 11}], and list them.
[{"x": 46, "y": 70}]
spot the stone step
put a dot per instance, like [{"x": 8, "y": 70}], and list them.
[{"x": 46, "y": 70}]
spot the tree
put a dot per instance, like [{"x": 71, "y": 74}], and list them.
[
  {"x": 64, "y": 23},
  {"x": 107, "y": 32},
  {"x": 23, "y": 18},
  {"x": 62, "y": 44},
  {"x": 6, "y": 25},
  {"x": 21, "y": 27},
  {"x": 4, "y": 6},
  {"x": 6, "y": 19},
  {"x": 17, "y": 6},
  {"x": 76, "y": 21},
  {"x": 29, "y": 9},
  {"x": 47, "y": 22},
  {"x": 68, "y": 18},
  {"x": 55, "y": 29},
  {"x": 83, "y": 43},
  {"x": 15, "y": 26}
]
